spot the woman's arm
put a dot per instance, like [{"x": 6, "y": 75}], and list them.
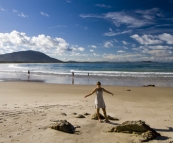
[
  {"x": 107, "y": 91},
  {"x": 90, "y": 93}
]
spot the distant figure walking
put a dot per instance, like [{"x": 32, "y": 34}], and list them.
[
  {"x": 88, "y": 74},
  {"x": 99, "y": 101},
  {"x": 28, "y": 75},
  {"x": 73, "y": 74}
]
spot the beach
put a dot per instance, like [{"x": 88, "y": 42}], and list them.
[{"x": 28, "y": 108}]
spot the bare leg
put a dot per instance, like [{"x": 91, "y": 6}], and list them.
[
  {"x": 104, "y": 112},
  {"x": 98, "y": 114}
]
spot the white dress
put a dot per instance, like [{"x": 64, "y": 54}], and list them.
[{"x": 99, "y": 101}]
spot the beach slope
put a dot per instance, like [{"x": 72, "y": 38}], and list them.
[{"x": 27, "y": 109}]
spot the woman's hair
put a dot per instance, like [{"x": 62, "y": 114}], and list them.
[{"x": 98, "y": 83}]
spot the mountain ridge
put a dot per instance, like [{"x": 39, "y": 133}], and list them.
[{"x": 27, "y": 57}]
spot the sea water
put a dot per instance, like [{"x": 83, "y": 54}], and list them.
[{"x": 122, "y": 73}]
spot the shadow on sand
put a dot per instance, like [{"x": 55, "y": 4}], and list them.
[
  {"x": 170, "y": 129},
  {"x": 112, "y": 123}
]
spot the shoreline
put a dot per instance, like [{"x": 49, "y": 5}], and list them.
[
  {"x": 27, "y": 110},
  {"x": 88, "y": 80}
]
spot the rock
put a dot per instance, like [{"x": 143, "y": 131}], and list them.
[
  {"x": 80, "y": 116},
  {"x": 74, "y": 113},
  {"x": 112, "y": 118},
  {"x": 94, "y": 116},
  {"x": 64, "y": 126},
  {"x": 110, "y": 129},
  {"x": 149, "y": 135},
  {"x": 133, "y": 126},
  {"x": 136, "y": 127},
  {"x": 150, "y": 85},
  {"x": 64, "y": 114},
  {"x": 128, "y": 90},
  {"x": 77, "y": 127},
  {"x": 86, "y": 114}
]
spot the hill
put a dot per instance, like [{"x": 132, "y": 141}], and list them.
[{"x": 27, "y": 57}]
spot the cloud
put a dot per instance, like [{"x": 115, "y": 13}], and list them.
[
  {"x": 125, "y": 43},
  {"x": 93, "y": 46},
  {"x": 119, "y": 18},
  {"x": 2, "y": 9},
  {"x": 158, "y": 52},
  {"x": 96, "y": 55},
  {"x": 22, "y": 15},
  {"x": 115, "y": 40},
  {"x": 58, "y": 26},
  {"x": 103, "y": 5},
  {"x": 91, "y": 50},
  {"x": 111, "y": 33},
  {"x": 44, "y": 14},
  {"x": 146, "y": 39},
  {"x": 123, "y": 57},
  {"x": 81, "y": 49},
  {"x": 15, "y": 11},
  {"x": 166, "y": 37},
  {"x": 149, "y": 14},
  {"x": 120, "y": 51},
  {"x": 90, "y": 16},
  {"x": 150, "y": 39},
  {"x": 68, "y": 1},
  {"x": 108, "y": 44},
  {"x": 16, "y": 41},
  {"x": 131, "y": 19},
  {"x": 125, "y": 47},
  {"x": 77, "y": 48},
  {"x": 110, "y": 29}
]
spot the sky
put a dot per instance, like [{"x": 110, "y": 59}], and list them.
[{"x": 89, "y": 30}]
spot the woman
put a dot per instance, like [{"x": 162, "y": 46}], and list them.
[{"x": 99, "y": 101}]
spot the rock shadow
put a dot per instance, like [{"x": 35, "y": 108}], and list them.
[
  {"x": 112, "y": 123},
  {"x": 170, "y": 129}
]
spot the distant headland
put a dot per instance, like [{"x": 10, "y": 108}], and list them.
[
  {"x": 27, "y": 57},
  {"x": 39, "y": 57},
  {"x": 33, "y": 57}
]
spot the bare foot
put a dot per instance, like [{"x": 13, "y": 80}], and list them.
[
  {"x": 106, "y": 120},
  {"x": 100, "y": 120}
]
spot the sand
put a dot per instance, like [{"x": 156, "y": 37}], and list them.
[{"x": 28, "y": 108}]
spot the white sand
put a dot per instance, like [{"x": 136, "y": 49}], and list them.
[{"x": 26, "y": 109}]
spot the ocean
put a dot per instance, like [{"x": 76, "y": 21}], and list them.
[{"x": 121, "y": 74}]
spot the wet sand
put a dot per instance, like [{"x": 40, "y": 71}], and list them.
[
  {"x": 28, "y": 108},
  {"x": 87, "y": 80}
]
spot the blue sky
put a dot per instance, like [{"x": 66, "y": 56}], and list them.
[{"x": 89, "y": 30}]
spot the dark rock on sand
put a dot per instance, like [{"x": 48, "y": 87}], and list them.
[
  {"x": 80, "y": 116},
  {"x": 150, "y": 85},
  {"x": 64, "y": 126},
  {"x": 136, "y": 127},
  {"x": 64, "y": 114},
  {"x": 86, "y": 114}
]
